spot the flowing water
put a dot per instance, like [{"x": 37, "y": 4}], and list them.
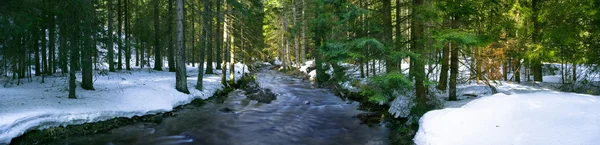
[{"x": 301, "y": 114}]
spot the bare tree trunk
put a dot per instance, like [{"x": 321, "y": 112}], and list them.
[
  {"x": 296, "y": 47},
  {"x": 225, "y": 46},
  {"x": 110, "y": 46},
  {"x": 157, "y": 57},
  {"x": 127, "y": 33},
  {"x": 36, "y": 49},
  {"x": 52, "y": 47},
  {"x": 444, "y": 72},
  {"x": 390, "y": 63},
  {"x": 303, "y": 47},
  {"x": 180, "y": 75},
  {"x": 537, "y": 62},
  {"x": 203, "y": 45},
  {"x": 398, "y": 35},
  {"x": 232, "y": 58},
  {"x": 45, "y": 69},
  {"x": 209, "y": 37},
  {"x": 73, "y": 61},
  {"x": 574, "y": 69},
  {"x": 170, "y": 49},
  {"x": 119, "y": 32},
  {"x": 142, "y": 51},
  {"x": 219, "y": 39}
]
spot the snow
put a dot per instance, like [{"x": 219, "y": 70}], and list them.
[
  {"x": 119, "y": 94},
  {"x": 545, "y": 117}
]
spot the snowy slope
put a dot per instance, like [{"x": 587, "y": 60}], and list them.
[
  {"x": 541, "y": 118},
  {"x": 120, "y": 94}
]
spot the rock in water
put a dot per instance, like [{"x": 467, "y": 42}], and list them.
[{"x": 226, "y": 110}]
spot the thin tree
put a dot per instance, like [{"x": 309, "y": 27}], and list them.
[
  {"x": 127, "y": 37},
  {"x": 119, "y": 33},
  {"x": 203, "y": 43},
  {"x": 219, "y": 43},
  {"x": 110, "y": 46}
]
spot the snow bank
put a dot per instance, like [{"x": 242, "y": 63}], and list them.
[
  {"x": 119, "y": 94},
  {"x": 546, "y": 117}
]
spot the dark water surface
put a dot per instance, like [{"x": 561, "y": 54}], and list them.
[{"x": 300, "y": 115}]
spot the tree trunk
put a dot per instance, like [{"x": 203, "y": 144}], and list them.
[
  {"x": 390, "y": 63},
  {"x": 63, "y": 51},
  {"x": 36, "y": 49},
  {"x": 209, "y": 36},
  {"x": 418, "y": 47},
  {"x": 86, "y": 73},
  {"x": 444, "y": 72},
  {"x": 180, "y": 75},
  {"x": 537, "y": 62},
  {"x": 453, "y": 73},
  {"x": 52, "y": 45},
  {"x": 219, "y": 44},
  {"x": 303, "y": 46},
  {"x": 157, "y": 57},
  {"x": 203, "y": 43},
  {"x": 73, "y": 61},
  {"x": 225, "y": 46},
  {"x": 119, "y": 32},
  {"x": 398, "y": 36},
  {"x": 517, "y": 69},
  {"x": 232, "y": 59},
  {"x": 142, "y": 51},
  {"x": 110, "y": 55},
  {"x": 127, "y": 37},
  {"x": 574, "y": 71},
  {"x": 296, "y": 41},
  {"x": 44, "y": 57},
  {"x": 171, "y": 50},
  {"x": 193, "y": 53}
]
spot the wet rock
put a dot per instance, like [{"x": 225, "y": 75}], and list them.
[
  {"x": 255, "y": 92},
  {"x": 226, "y": 110},
  {"x": 369, "y": 118}
]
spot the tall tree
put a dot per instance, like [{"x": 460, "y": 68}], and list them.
[
  {"x": 170, "y": 49},
  {"x": 181, "y": 77},
  {"x": 219, "y": 39},
  {"x": 119, "y": 34},
  {"x": 110, "y": 39},
  {"x": 203, "y": 45},
  {"x": 209, "y": 36},
  {"x": 157, "y": 51},
  {"x": 417, "y": 46},
  {"x": 536, "y": 63},
  {"x": 391, "y": 64},
  {"x": 127, "y": 37}
]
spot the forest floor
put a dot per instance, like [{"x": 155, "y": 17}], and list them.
[{"x": 34, "y": 105}]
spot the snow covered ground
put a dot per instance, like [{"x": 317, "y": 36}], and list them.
[
  {"x": 33, "y": 105},
  {"x": 544, "y": 118},
  {"x": 520, "y": 114}
]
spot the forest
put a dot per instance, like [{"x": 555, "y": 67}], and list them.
[{"x": 416, "y": 62}]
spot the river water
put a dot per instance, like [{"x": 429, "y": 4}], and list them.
[{"x": 301, "y": 115}]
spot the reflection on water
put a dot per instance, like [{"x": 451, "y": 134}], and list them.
[{"x": 301, "y": 114}]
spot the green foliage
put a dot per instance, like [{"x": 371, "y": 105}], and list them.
[
  {"x": 460, "y": 37},
  {"x": 381, "y": 88}
]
